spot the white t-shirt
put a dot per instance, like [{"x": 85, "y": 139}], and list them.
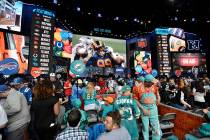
[
  {"x": 198, "y": 96},
  {"x": 3, "y": 116}
]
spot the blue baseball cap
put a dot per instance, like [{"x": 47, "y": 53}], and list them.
[
  {"x": 3, "y": 88},
  {"x": 16, "y": 81}
]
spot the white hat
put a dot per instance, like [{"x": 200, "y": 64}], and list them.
[{"x": 52, "y": 74}]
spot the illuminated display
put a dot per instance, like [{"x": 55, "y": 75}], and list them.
[{"x": 41, "y": 50}]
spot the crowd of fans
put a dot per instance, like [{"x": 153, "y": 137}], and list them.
[{"x": 55, "y": 107}]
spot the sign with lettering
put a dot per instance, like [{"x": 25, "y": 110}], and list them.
[
  {"x": 41, "y": 47},
  {"x": 189, "y": 61}
]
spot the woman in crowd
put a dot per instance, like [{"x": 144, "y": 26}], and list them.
[
  {"x": 180, "y": 100},
  {"x": 89, "y": 97},
  {"x": 44, "y": 109},
  {"x": 199, "y": 94}
]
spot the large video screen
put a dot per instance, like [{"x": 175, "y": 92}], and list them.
[
  {"x": 62, "y": 43},
  {"x": 189, "y": 61},
  {"x": 142, "y": 62},
  {"x": 14, "y": 51},
  {"x": 176, "y": 44},
  {"x": 99, "y": 52},
  {"x": 11, "y": 15}
]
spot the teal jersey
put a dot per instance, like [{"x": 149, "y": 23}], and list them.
[
  {"x": 204, "y": 129},
  {"x": 106, "y": 109},
  {"x": 127, "y": 107},
  {"x": 89, "y": 98}
]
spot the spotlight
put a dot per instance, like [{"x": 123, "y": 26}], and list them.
[
  {"x": 193, "y": 19},
  {"x": 116, "y": 18},
  {"x": 175, "y": 18},
  {"x": 99, "y": 15},
  {"x": 135, "y": 19},
  {"x": 78, "y": 9}
]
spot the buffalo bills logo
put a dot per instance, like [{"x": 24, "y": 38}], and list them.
[{"x": 9, "y": 66}]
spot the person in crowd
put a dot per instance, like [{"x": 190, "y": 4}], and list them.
[
  {"x": 76, "y": 105},
  {"x": 57, "y": 85},
  {"x": 114, "y": 128},
  {"x": 68, "y": 87},
  {"x": 73, "y": 131},
  {"x": 107, "y": 106},
  {"x": 148, "y": 104},
  {"x": 180, "y": 100},
  {"x": 22, "y": 86},
  {"x": 118, "y": 88},
  {"x": 203, "y": 131},
  {"x": 16, "y": 108},
  {"x": 129, "y": 112},
  {"x": 137, "y": 88},
  {"x": 44, "y": 109},
  {"x": 103, "y": 86},
  {"x": 129, "y": 80},
  {"x": 77, "y": 90},
  {"x": 111, "y": 83},
  {"x": 163, "y": 89},
  {"x": 199, "y": 94},
  {"x": 3, "y": 118},
  {"x": 89, "y": 96}
]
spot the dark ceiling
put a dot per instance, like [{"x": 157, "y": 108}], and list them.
[{"x": 128, "y": 18}]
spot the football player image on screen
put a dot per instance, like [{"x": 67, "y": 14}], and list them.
[{"x": 176, "y": 44}]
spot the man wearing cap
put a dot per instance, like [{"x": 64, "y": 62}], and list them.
[
  {"x": 129, "y": 111},
  {"x": 58, "y": 87},
  {"x": 77, "y": 89},
  {"x": 15, "y": 105},
  {"x": 139, "y": 85},
  {"x": 147, "y": 103},
  {"x": 22, "y": 88},
  {"x": 107, "y": 107}
]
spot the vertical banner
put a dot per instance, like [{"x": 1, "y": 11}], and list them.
[
  {"x": 164, "y": 65},
  {"x": 41, "y": 47}
]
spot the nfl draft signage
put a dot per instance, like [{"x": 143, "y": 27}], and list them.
[{"x": 41, "y": 50}]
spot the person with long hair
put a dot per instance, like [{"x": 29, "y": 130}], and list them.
[
  {"x": 44, "y": 109},
  {"x": 90, "y": 96}
]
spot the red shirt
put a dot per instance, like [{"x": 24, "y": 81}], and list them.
[{"x": 69, "y": 89}]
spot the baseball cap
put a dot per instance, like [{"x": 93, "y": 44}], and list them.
[
  {"x": 3, "y": 88},
  {"x": 16, "y": 81},
  {"x": 109, "y": 99},
  {"x": 141, "y": 78},
  {"x": 79, "y": 81},
  {"x": 52, "y": 74},
  {"x": 149, "y": 78},
  {"x": 125, "y": 88}
]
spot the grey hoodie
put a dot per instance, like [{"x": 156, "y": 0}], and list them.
[{"x": 17, "y": 110}]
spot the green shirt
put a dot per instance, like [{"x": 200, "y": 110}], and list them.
[{"x": 127, "y": 107}]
